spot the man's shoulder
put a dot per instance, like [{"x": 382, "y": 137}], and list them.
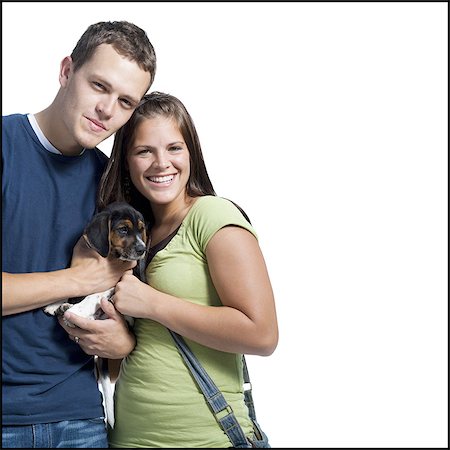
[
  {"x": 102, "y": 157},
  {"x": 15, "y": 128},
  {"x": 11, "y": 119}
]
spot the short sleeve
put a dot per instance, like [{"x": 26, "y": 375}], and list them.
[{"x": 210, "y": 214}]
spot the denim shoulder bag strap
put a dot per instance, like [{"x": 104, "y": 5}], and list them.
[
  {"x": 219, "y": 407},
  {"x": 260, "y": 438}
]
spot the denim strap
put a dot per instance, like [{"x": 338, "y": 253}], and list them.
[{"x": 220, "y": 408}]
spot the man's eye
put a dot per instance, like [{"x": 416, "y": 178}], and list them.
[
  {"x": 126, "y": 103},
  {"x": 98, "y": 85}
]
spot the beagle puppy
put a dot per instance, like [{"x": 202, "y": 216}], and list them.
[{"x": 117, "y": 232}]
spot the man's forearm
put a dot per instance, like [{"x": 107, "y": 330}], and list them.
[{"x": 25, "y": 291}]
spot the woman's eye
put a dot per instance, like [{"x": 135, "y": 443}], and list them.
[{"x": 175, "y": 149}]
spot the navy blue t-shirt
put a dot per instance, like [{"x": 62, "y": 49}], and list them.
[{"x": 47, "y": 199}]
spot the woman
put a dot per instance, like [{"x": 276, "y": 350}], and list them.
[{"x": 206, "y": 280}]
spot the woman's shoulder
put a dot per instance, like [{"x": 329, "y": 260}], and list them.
[
  {"x": 210, "y": 205},
  {"x": 211, "y": 213},
  {"x": 210, "y": 199}
]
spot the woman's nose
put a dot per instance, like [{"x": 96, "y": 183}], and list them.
[{"x": 161, "y": 162}]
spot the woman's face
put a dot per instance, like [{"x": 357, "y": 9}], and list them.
[{"x": 158, "y": 161}]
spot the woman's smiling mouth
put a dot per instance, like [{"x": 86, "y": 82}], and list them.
[{"x": 161, "y": 180}]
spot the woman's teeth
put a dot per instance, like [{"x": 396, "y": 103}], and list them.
[{"x": 164, "y": 179}]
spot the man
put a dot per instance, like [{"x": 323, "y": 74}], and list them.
[{"x": 51, "y": 169}]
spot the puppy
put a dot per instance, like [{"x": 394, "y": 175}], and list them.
[{"x": 118, "y": 232}]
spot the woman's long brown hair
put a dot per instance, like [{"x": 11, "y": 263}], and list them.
[{"x": 115, "y": 184}]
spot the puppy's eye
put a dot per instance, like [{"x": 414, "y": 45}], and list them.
[{"x": 122, "y": 230}]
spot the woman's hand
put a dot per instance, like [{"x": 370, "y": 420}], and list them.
[{"x": 133, "y": 297}]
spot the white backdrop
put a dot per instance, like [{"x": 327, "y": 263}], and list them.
[{"x": 327, "y": 122}]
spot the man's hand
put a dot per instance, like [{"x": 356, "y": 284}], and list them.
[
  {"x": 92, "y": 272},
  {"x": 107, "y": 338}
]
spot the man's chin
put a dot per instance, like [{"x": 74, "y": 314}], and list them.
[{"x": 92, "y": 142}]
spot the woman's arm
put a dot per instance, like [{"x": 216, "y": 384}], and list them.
[{"x": 246, "y": 323}]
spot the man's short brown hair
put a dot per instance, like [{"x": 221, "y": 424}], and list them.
[{"x": 127, "y": 39}]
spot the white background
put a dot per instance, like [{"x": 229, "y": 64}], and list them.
[{"x": 327, "y": 122}]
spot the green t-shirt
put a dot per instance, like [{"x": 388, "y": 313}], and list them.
[{"x": 157, "y": 403}]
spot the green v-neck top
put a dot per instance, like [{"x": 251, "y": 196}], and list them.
[{"x": 157, "y": 402}]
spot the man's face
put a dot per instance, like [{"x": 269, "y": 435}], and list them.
[{"x": 98, "y": 98}]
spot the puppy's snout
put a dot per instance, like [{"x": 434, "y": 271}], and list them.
[{"x": 140, "y": 249}]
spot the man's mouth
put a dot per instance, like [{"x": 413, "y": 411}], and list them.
[{"x": 96, "y": 125}]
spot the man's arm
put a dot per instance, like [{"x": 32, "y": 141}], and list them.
[
  {"x": 25, "y": 291},
  {"x": 89, "y": 273}
]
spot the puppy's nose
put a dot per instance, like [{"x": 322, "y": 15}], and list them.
[{"x": 140, "y": 249}]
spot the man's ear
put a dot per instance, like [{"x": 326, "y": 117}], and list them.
[
  {"x": 65, "y": 69},
  {"x": 97, "y": 233}
]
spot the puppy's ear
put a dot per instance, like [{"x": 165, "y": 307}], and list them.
[
  {"x": 97, "y": 233},
  {"x": 144, "y": 231}
]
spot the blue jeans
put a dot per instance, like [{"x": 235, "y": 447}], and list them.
[{"x": 89, "y": 433}]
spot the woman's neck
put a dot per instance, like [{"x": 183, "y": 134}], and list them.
[
  {"x": 169, "y": 214},
  {"x": 168, "y": 218}
]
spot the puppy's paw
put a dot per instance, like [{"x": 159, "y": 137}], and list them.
[
  {"x": 52, "y": 309},
  {"x": 63, "y": 308},
  {"x": 59, "y": 312},
  {"x": 58, "y": 309}
]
